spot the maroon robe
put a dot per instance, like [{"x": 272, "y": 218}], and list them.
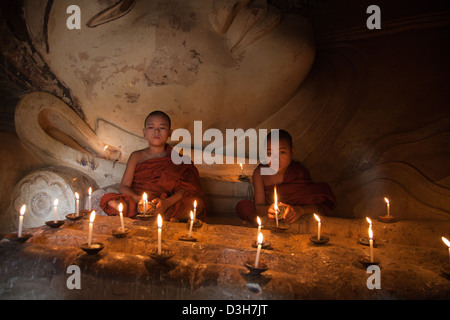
[
  {"x": 297, "y": 189},
  {"x": 161, "y": 178}
]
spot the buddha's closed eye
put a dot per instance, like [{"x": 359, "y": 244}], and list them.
[{"x": 111, "y": 13}]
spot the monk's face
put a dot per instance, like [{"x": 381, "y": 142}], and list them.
[
  {"x": 285, "y": 155},
  {"x": 157, "y": 130}
]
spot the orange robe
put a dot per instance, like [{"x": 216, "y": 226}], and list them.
[
  {"x": 297, "y": 189},
  {"x": 161, "y": 178}
]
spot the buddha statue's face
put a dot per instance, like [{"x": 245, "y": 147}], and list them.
[{"x": 231, "y": 64}]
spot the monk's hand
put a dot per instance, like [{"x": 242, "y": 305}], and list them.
[
  {"x": 291, "y": 215},
  {"x": 161, "y": 206}
]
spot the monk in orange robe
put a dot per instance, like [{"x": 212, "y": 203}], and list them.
[
  {"x": 170, "y": 187},
  {"x": 295, "y": 189}
]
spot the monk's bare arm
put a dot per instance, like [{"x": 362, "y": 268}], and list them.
[
  {"x": 128, "y": 176},
  {"x": 177, "y": 196}
]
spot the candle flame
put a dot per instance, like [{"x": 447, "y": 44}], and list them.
[
  {"x": 55, "y": 203},
  {"x": 195, "y": 204},
  {"x": 446, "y": 241},
  {"x": 90, "y": 191},
  {"x": 369, "y": 221},
  {"x": 159, "y": 221},
  {"x": 192, "y": 215},
  {"x": 92, "y": 217},
  {"x": 275, "y": 207},
  {"x": 241, "y": 166},
  {"x": 317, "y": 217},
  {"x": 120, "y": 207},
  {"x": 77, "y": 196},
  {"x": 259, "y": 221},
  {"x": 260, "y": 238},
  {"x": 144, "y": 196},
  {"x": 106, "y": 147},
  {"x": 386, "y": 200},
  {"x": 370, "y": 233},
  {"x": 23, "y": 209}
]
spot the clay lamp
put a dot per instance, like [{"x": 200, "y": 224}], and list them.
[
  {"x": 55, "y": 223},
  {"x": 266, "y": 244},
  {"x": 189, "y": 236},
  {"x": 319, "y": 239},
  {"x": 75, "y": 216},
  {"x": 197, "y": 223},
  {"x": 159, "y": 254},
  {"x": 388, "y": 218},
  {"x": 243, "y": 177},
  {"x": 90, "y": 247},
  {"x": 446, "y": 268},
  {"x": 258, "y": 266},
  {"x": 371, "y": 260},
  {"x": 121, "y": 232},
  {"x": 365, "y": 241},
  {"x": 19, "y": 236}
]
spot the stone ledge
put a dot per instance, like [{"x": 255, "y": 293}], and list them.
[{"x": 212, "y": 268}]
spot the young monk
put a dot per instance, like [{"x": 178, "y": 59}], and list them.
[
  {"x": 173, "y": 188},
  {"x": 295, "y": 189}
]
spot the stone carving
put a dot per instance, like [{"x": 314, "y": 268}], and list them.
[
  {"x": 162, "y": 54},
  {"x": 114, "y": 12},
  {"x": 351, "y": 126},
  {"x": 59, "y": 137},
  {"x": 40, "y": 188}
]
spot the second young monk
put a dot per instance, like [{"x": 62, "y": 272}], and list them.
[
  {"x": 295, "y": 189},
  {"x": 172, "y": 188}
]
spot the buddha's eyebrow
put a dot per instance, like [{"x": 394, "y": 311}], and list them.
[{"x": 111, "y": 13}]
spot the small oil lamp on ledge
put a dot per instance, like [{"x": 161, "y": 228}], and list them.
[
  {"x": 90, "y": 247},
  {"x": 266, "y": 245},
  {"x": 319, "y": 239},
  {"x": 162, "y": 257},
  {"x": 77, "y": 215},
  {"x": 365, "y": 261},
  {"x": 74, "y": 216},
  {"x": 121, "y": 232},
  {"x": 19, "y": 236},
  {"x": 94, "y": 248},
  {"x": 189, "y": 236},
  {"x": 55, "y": 223},
  {"x": 243, "y": 177},
  {"x": 15, "y": 237},
  {"x": 258, "y": 266},
  {"x": 159, "y": 254},
  {"x": 446, "y": 268},
  {"x": 388, "y": 218}
]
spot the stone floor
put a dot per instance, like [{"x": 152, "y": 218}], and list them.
[{"x": 213, "y": 267}]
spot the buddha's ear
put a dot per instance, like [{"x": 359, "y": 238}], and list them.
[{"x": 111, "y": 13}]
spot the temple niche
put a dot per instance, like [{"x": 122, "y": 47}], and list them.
[{"x": 367, "y": 110}]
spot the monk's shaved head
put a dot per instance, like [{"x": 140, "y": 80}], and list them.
[
  {"x": 283, "y": 136},
  {"x": 158, "y": 113}
]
